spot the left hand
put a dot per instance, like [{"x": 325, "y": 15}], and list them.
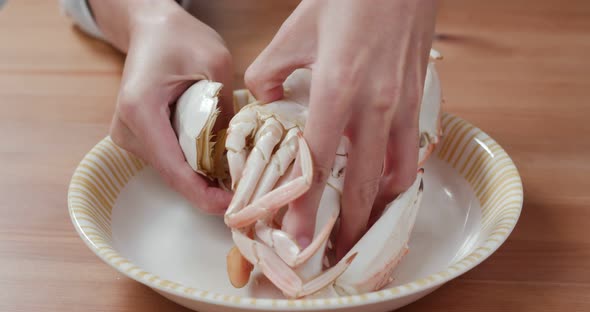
[
  {"x": 167, "y": 51},
  {"x": 368, "y": 61}
]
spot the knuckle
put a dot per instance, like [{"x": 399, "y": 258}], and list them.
[
  {"x": 343, "y": 77},
  {"x": 383, "y": 107},
  {"x": 385, "y": 98}
]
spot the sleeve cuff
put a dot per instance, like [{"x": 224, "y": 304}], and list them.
[
  {"x": 184, "y": 3},
  {"x": 79, "y": 12}
]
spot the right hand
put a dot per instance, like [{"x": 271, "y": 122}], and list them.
[
  {"x": 167, "y": 51},
  {"x": 365, "y": 87}
]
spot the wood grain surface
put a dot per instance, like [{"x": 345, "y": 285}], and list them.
[{"x": 517, "y": 69}]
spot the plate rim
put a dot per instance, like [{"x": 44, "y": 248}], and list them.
[{"x": 482, "y": 251}]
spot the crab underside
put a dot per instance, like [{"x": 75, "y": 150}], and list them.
[{"x": 254, "y": 158}]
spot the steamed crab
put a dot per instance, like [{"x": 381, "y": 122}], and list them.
[{"x": 254, "y": 157}]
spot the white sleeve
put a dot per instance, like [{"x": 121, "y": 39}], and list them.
[{"x": 79, "y": 11}]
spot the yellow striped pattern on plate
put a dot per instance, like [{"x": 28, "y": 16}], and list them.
[{"x": 106, "y": 169}]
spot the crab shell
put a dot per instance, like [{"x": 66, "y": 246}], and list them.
[{"x": 194, "y": 118}]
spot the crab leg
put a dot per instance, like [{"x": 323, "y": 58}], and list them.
[
  {"x": 279, "y": 163},
  {"x": 280, "y": 274},
  {"x": 329, "y": 208},
  {"x": 286, "y": 247},
  {"x": 268, "y": 137},
  {"x": 240, "y": 127},
  {"x": 277, "y": 198}
]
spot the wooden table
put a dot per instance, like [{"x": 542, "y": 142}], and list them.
[{"x": 517, "y": 69}]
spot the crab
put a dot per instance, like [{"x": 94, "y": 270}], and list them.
[{"x": 254, "y": 158}]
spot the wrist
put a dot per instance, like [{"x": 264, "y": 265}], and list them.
[{"x": 118, "y": 20}]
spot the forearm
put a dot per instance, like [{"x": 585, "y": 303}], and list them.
[{"x": 116, "y": 19}]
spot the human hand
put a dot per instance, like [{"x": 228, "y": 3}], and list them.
[
  {"x": 167, "y": 50},
  {"x": 368, "y": 61}
]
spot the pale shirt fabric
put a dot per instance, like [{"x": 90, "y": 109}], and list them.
[{"x": 80, "y": 13}]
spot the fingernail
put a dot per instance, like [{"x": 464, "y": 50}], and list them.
[{"x": 303, "y": 241}]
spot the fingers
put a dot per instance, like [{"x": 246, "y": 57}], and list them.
[
  {"x": 365, "y": 164},
  {"x": 400, "y": 168},
  {"x": 401, "y": 158},
  {"x": 159, "y": 146},
  {"x": 328, "y": 115},
  {"x": 162, "y": 62},
  {"x": 290, "y": 49},
  {"x": 265, "y": 77}
]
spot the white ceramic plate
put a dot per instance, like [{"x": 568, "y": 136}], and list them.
[{"x": 134, "y": 222}]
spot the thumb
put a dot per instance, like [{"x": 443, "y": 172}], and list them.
[{"x": 293, "y": 47}]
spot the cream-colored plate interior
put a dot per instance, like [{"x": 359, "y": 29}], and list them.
[{"x": 134, "y": 222}]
